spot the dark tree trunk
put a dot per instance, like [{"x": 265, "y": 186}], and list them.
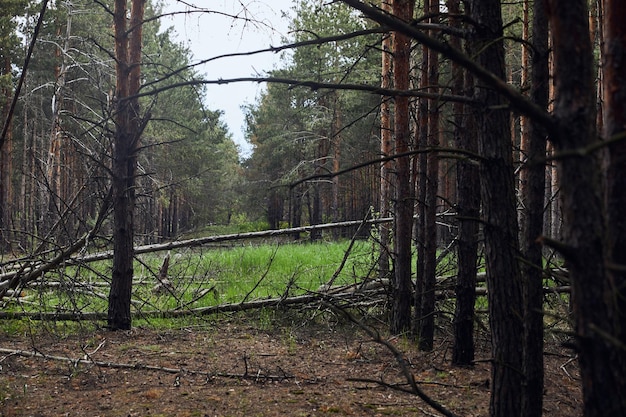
[
  {"x": 316, "y": 211},
  {"x": 420, "y": 178},
  {"x": 127, "y": 133},
  {"x": 274, "y": 210},
  {"x": 500, "y": 216},
  {"x": 427, "y": 319},
  {"x": 295, "y": 207},
  {"x": 533, "y": 195},
  {"x": 615, "y": 132},
  {"x": 600, "y": 357},
  {"x": 468, "y": 209},
  {"x": 317, "y": 188},
  {"x": 403, "y": 195},
  {"x": 5, "y": 161},
  {"x": 336, "y": 149}
]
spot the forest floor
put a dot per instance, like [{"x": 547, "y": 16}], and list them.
[{"x": 243, "y": 366}]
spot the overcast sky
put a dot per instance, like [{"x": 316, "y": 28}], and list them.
[{"x": 212, "y": 34}]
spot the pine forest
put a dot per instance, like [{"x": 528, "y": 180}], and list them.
[{"x": 425, "y": 217}]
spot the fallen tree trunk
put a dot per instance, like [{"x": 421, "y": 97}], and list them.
[
  {"x": 350, "y": 295},
  {"x": 281, "y": 302},
  {"x": 190, "y": 243},
  {"x": 24, "y": 274}
]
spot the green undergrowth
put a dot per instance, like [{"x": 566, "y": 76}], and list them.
[{"x": 199, "y": 278}]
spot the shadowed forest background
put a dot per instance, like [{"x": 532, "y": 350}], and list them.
[{"x": 445, "y": 173}]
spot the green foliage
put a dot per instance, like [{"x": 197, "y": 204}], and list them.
[
  {"x": 197, "y": 278},
  {"x": 196, "y": 161},
  {"x": 296, "y": 132},
  {"x": 189, "y": 168}
]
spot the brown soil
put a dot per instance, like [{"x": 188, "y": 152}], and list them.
[{"x": 250, "y": 367}]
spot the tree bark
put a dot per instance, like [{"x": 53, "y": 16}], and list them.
[
  {"x": 403, "y": 196},
  {"x": 585, "y": 247},
  {"x": 497, "y": 183},
  {"x": 127, "y": 134},
  {"x": 533, "y": 182},
  {"x": 5, "y": 161},
  {"x": 615, "y": 132},
  {"x": 420, "y": 178},
  {"x": 427, "y": 328},
  {"x": 336, "y": 148},
  {"x": 468, "y": 209},
  {"x": 386, "y": 149}
]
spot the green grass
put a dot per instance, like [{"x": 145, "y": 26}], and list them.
[
  {"x": 204, "y": 277},
  {"x": 268, "y": 271}
]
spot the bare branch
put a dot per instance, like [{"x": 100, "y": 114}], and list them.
[
  {"x": 516, "y": 98},
  {"x": 313, "y": 85},
  {"x": 400, "y": 358}
]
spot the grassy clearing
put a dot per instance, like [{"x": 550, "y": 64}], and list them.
[
  {"x": 204, "y": 277},
  {"x": 269, "y": 270}
]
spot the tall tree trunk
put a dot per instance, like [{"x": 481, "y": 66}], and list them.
[
  {"x": 386, "y": 149},
  {"x": 585, "y": 247},
  {"x": 5, "y": 162},
  {"x": 336, "y": 148},
  {"x": 56, "y": 167},
  {"x": 615, "y": 132},
  {"x": 295, "y": 209},
  {"x": 315, "y": 192},
  {"x": 420, "y": 179},
  {"x": 403, "y": 195},
  {"x": 500, "y": 215},
  {"x": 468, "y": 209},
  {"x": 129, "y": 126},
  {"x": 427, "y": 328},
  {"x": 533, "y": 182}
]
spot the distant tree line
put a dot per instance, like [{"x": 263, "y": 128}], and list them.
[
  {"x": 507, "y": 119},
  {"x": 57, "y": 152}
]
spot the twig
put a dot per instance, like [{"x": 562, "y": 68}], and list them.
[
  {"x": 382, "y": 383},
  {"x": 398, "y": 387},
  {"x": 564, "y": 367},
  {"x": 197, "y": 298},
  {"x": 346, "y": 254},
  {"x": 139, "y": 366},
  {"x": 265, "y": 274},
  {"x": 400, "y": 358}
]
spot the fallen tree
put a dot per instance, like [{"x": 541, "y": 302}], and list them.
[
  {"x": 355, "y": 295},
  {"x": 24, "y": 271}
]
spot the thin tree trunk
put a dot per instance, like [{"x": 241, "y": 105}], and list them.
[
  {"x": 336, "y": 148},
  {"x": 420, "y": 178},
  {"x": 403, "y": 209},
  {"x": 315, "y": 211},
  {"x": 468, "y": 209},
  {"x": 386, "y": 148},
  {"x": 427, "y": 332},
  {"x": 533, "y": 182},
  {"x": 5, "y": 161}
]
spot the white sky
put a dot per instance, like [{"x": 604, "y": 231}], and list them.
[{"x": 212, "y": 34}]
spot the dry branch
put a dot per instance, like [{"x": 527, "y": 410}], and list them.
[
  {"x": 140, "y": 366},
  {"x": 190, "y": 243},
  {"x": 351, "y": 294},
  {"x": 26, "y": 274},
  {"x": 402, "y": 361}
]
